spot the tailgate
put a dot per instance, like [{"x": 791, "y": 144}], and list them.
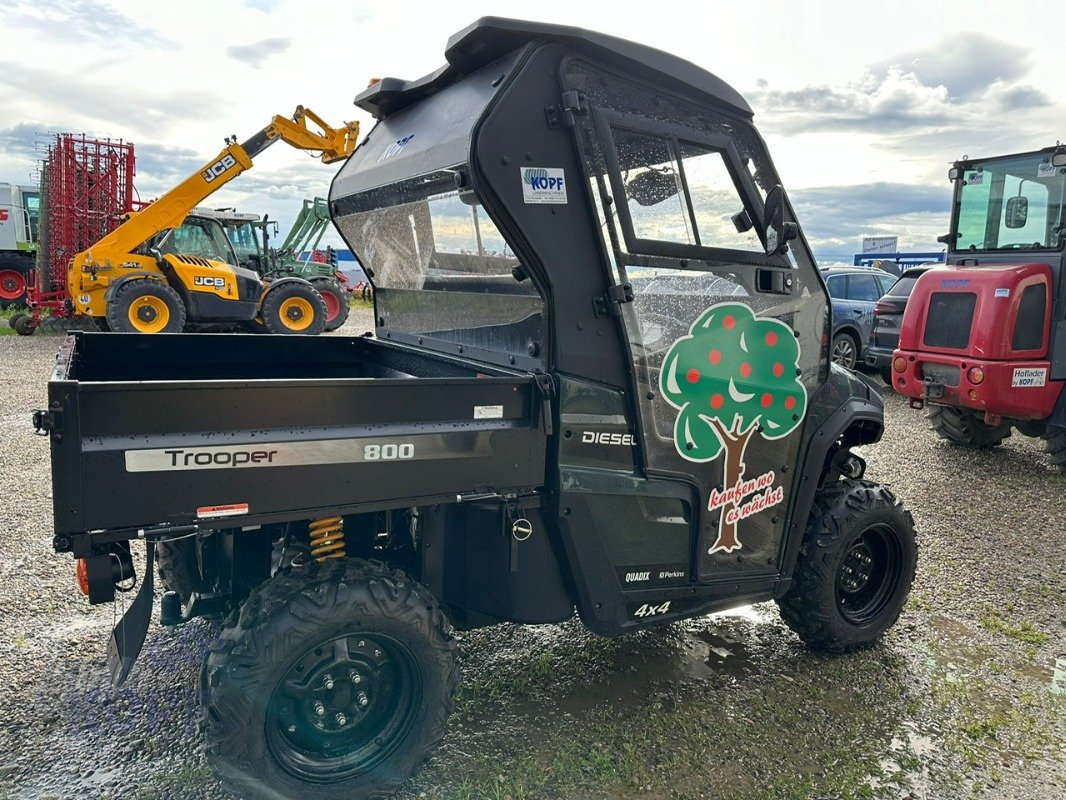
[{"x": 129, "y": 454}]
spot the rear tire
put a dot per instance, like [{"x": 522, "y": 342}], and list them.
[
  {"x": 965, "y": 428},
  {"x": 146, "y": 305},
  {"x": 336, "y": 300},
  {"x": 178, "y": 568},
  {"x": 855, "y": 567},
  {"x": 886, "y": 375},
  {"x": 334, "y": 681},
  {"x": 845, "y": 350},
  {"x": 1055, "y": 444},
  {"x": 294, "y": 308}
]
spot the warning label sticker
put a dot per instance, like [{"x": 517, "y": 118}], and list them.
[
  {"x": 214, "y": 512},
  {"x": 1026, "y": 377}
]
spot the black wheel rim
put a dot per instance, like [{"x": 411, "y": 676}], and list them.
[
  {"x": 343, "y": 707},
  {"x": 869, "y": 574}
]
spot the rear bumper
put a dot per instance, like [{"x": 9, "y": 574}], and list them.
[
  {"x": 1014, "y": 389},
  {"x": 878, "y": 356}
]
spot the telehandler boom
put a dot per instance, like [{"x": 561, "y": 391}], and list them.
[{"x": 151, "y": 275}]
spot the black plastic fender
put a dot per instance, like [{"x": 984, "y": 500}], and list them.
[
  {"x": 114, "y": 286},
  {"x": 859, "y": 419}
]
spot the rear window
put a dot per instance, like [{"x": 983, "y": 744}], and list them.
[{"x": 903, "y": 287}]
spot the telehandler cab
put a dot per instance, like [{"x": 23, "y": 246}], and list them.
[
  {"x": 982, "y": 343},
  {"x": 161, "y": 268},
  {"x": 536, "y": 424}
]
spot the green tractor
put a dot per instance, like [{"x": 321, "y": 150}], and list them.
[{"x": 251, "y": 235}]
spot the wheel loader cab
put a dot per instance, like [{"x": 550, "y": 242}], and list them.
[{"x": 594, "y": 211}]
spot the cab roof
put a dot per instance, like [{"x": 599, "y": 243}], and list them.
[{"x": 491, "y": 38}]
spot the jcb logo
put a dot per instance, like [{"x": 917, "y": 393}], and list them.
[
  {"x": 218, "y": 168},
  {"x": 203, "y": 280}
]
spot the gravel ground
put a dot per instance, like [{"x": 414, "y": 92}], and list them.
[{"x": 958, "y": 702}]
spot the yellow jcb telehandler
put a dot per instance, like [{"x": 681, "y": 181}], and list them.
[{"x": 163, "y": 268}]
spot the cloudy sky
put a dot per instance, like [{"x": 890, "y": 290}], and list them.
[{"x": 863, "y": 109}]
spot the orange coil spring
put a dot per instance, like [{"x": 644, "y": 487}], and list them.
[{"x": 327, "y": 538}]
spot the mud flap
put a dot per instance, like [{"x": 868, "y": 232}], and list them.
[{"x": 128, "y": 636}]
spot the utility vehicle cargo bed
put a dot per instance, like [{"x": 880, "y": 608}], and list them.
[{"x": 237, "y": 430}]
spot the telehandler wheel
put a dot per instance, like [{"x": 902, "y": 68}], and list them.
[
  {"x": 336, "y": 300},
  {"x": 178, "y": 569},
  {"x": 1055, "y": 444},
  {"x": 335, "y": 680},
  {"x": 146, "y": 306},
  {"x": 965, "y": 428},
  {"x": 294, "y": 308},
  {"x": 855, "y": 567}
]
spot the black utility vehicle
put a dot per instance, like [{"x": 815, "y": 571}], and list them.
[
  {"x": 888, "y": 314},
  {"x": 505, "y": 445}
]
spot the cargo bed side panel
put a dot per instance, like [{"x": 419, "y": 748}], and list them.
[{"x": 175, "y": 452}]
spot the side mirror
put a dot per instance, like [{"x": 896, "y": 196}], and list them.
[
  {"x": 778, "y": 232},
  {"x": 1017, "y": 211},
  {"x": 652, "y": 186}
]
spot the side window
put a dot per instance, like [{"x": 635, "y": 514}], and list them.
[
  {"x": 837, "y": 287},
  {"x": 863, "y": 288},
  {"x": 887, "y": 282},
  {"x": 654, "y": 194},
  {"x": 714, "y": 199},
  {"x": 680, "y": 193}
]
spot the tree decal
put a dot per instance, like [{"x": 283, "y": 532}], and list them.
[{"x": 734, "y": 375}]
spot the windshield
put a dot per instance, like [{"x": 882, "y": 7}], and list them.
[
  {"x": 442, "y": 270},
  {"x": 1010, "y": 203},
  {"x": 198, "y": 237}
]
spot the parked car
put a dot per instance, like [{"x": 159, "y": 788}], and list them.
[
  {"x": 888, "y": 313},
  {"x": 854, "y": 292}
]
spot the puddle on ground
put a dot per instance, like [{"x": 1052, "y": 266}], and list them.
[
  {"x": 956, "y": 647},
  {"x": 715, "y": 650}
]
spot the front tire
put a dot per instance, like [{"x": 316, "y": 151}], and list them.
[
  {"x": 334, "y": 681},
  {"x": 146, "y": 306},
  {"x": 855, "y": 567},
  {"x": 294, "y": 308},
  {"x": 965, "y": 428}
]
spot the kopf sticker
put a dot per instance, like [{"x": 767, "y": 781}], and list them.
[
  {"x": 734, "y": 376},
  {"x": 543, "y": 185}
]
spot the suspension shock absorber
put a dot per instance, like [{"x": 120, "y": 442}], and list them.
[{"x": 327, "y": 538}]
